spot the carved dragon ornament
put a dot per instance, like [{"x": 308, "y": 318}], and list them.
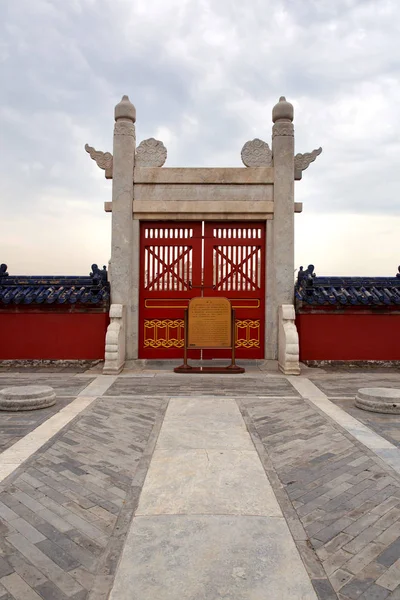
[
  {"x": 303, "y": 161},
  {"x": 149, "y": 153}
]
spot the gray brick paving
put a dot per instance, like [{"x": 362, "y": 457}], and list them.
[
  {"x": 197, "y": 385},
  {"x": 388, "y": 426},
  {"x": 64, "y": 385},
  {"x": 65, "y": 513},
  {"x": 16, "y": 425},
  {"x": 345, "y": 384},
  {"x": 346, "y": 499}
]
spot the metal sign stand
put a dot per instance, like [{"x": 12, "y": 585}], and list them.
[{"x": 186, "y": 368}]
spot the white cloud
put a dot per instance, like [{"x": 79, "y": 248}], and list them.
[{"x": 204, "y": 76}]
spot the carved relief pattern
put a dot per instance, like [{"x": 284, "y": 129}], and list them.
[
  {"x": 163, "y": 333},
  {"x": 256, "y": 153},
  {"x": 283, "y": 128},
  {"x": 302, "y": 161},
  {"x": 104, "y": 160},
  {"x": 151, "y": 153},
  {"x": 247, "y": 333},
  {"x": 169, "y": 333},
  {"x": 124, "y": 128}
]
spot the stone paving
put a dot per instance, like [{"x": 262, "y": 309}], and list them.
[
  {"x": 347, "y": 384},
  {"x": 344, "y": 505},
  {"x": 198, "y": 385},
  {"x": 63, "y": 385},
  {"x": 342, "y": 391},
  {"x": 388, "y": 426},
  {"x": 14, "y": 426},
  {"x": 65, "y": 512}
]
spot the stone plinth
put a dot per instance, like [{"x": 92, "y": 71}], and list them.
[
  {"x": 27, "y": 397},
  {"x": 382, "y": 400}
]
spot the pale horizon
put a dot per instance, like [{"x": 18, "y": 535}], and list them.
[{"x": 204, "y": 77}]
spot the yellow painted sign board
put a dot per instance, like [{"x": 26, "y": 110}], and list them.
[{"x": 210, "y": 323}]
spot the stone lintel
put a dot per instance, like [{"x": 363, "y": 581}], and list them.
[
  {"x": 144, "y": 212},
  {"x": 214, "y": 193},
  {"x": 199, "y": 216},
  {"x": 239, "y": 175},
  {"x": 203, "y": 206}
]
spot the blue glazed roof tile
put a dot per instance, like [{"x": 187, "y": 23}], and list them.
[
  {"x": 346, "y": 291},
  {"x": 92, "y": 290}
]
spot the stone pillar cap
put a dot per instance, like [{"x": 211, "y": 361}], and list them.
[
  {"x": 283, "y": 110},
  {"x": 125, "y": 110}
]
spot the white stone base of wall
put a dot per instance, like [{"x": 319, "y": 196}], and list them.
[
  {"x": 288, "y": 341},
  {"x": 115, "y": 341}
]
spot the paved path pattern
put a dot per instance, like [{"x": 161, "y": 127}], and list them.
[
  {"x": 342, "y": 390},
  {"x": 208, "y": 524},
  {"x": 69, "y": 513},
  {"x": 14, "y": 426},
  {"x": 345, "y": 499},
  {"x": 64, "y": 514}
]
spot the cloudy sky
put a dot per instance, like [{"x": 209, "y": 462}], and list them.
[{"x": 204, "y": 76}]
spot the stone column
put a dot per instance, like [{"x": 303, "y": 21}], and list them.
[
  {"x": 281, "y": 264},
  {"x": 122, "y": 213}
]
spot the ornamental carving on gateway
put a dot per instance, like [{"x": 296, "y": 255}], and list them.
[
  {"x": 169, "y": 333},
  {"x": 104, "y": 160},
  {"x": 282, "y": 128},
  {"x": 151, "y": 153},
  {"x": 303, "y": 161},
  {"x": 256, "y": 153}
]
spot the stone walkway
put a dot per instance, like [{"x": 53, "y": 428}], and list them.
[
  {"x": 208, "y": 524},
  {"x": 14, "y": 426},
  {"x": 168, "y": 486}
]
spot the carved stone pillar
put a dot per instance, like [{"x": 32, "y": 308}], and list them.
[
  {"x": 122, "y": 215},
  {"x": 281, "y": 276}
]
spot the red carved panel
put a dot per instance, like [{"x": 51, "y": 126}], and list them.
[
  {"x": 170, "y": 263},
  {"x": 234, "y": 259},
  {"x": 177, "y": 259}
]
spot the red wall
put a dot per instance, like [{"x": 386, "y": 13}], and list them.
[
  {"x": 349, "y": 336},
  {"x": 52, "y": 335}
]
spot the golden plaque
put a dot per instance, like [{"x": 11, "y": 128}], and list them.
[{"x": 210, "y": 323}]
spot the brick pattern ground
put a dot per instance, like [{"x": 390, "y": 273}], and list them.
[
  {"x": 202, "y": 385},
  {"x": 344, "y": 508},
  {"x": 386, "y": 425},
  {"x": 15, "y": 425},
  {"x": 342, "y": 390},
  {"x": 343, "y": 384},
  {"x": 63, "y": 385},
  {"x": 65, "y": 513}
]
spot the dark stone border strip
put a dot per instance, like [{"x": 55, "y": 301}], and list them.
[
  {"x": 105, "y": 575},
  {"x": 304, "y": 544},
  {"x": 309, "y": 557}
]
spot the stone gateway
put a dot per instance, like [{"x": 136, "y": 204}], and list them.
[{"x": 182, "y": 233}]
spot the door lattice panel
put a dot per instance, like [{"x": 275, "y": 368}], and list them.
[
  {"x": 235, "y": 256},
  {"x": 170, "y": 261},
  {"x": 168, "y": 258},
  {"x": 180, "y": 261}
]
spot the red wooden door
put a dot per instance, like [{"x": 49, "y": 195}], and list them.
[
  {"x": 170, "y": 260},
  {"x": 180, "y": 261},
  {"x": 234, "y": 267}
]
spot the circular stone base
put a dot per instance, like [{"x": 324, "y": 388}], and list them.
[
  {"x": 27, "y": 397},
  {"x": 382, "y": 400}
]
